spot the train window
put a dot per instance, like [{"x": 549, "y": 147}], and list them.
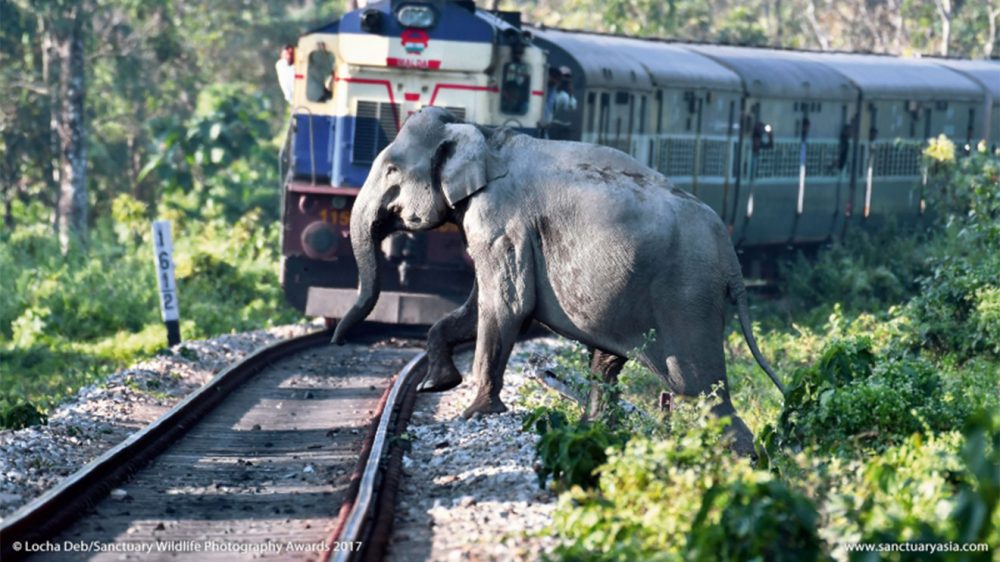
[
  {"x": 515, "y": 91},
  {"x": 621, "y": 98},
  {"x": 319, "y": 77}
]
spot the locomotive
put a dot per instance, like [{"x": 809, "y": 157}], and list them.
[{"x": 788, "y": 147}]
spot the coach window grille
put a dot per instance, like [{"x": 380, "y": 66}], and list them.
[{"x": 319, "y": 75}]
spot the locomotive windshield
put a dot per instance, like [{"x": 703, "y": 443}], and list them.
[{"x": 516, "y": 90}]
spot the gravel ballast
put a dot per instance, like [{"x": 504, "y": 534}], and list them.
[{"x": 469, "y": 490}]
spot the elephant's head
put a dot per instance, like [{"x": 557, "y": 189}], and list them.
[{"x": 435, "y": 163}]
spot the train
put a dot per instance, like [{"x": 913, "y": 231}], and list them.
[{"x": 789, "y": 147}]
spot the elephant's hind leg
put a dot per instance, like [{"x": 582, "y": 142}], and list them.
[
  {"x": 603, "y": 393},
  {"x": 457, "y": 327},
  {"x": 693, "y": 361}
]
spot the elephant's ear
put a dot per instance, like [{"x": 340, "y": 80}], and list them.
[{"x": 466, "y": 163}]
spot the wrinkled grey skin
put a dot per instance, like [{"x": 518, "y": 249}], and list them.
[{"x": 580, "y": 237}]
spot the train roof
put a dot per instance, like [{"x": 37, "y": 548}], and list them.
[
  {"x": 775, "y": 73},
  {"x": 885, "y": 77},
  {"x": 604, "y": 57},
  {"x": 603, "y": 64},
  {"x": 985, "y": 72}
]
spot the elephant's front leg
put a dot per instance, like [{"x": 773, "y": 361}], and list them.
[
  {"x": 506, "y": 300},
  {"x": 457, "y": 327}
]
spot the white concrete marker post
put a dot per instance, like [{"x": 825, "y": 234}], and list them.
[{"x": 163, "y": 255}]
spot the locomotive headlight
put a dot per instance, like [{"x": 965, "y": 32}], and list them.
[{"x": 415, "y": 16}]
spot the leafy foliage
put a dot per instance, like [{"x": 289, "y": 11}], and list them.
[
  {"x": 956, "y": 504},
  {"x": 647, "y": 493},
  {"x": 851, "y": 395},
  {"x": 958, "y": 306},
  {"x": 570, "y": 452},
  {"x": 17, "y": 414},
  {"x": 755, "y": 519}
]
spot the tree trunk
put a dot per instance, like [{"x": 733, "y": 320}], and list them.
[
  {"x": 814, "y": 26},
  {"x": 992, "y": 13},
  {"x": 11, "y": 180},
  {"x": 778, "y": 39},
  {"x": 944, "y": 8},
  {"x": 50, "y": 162},
  {"x": 72, "y": 132}
]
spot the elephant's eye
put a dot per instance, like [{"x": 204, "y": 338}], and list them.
[{"x": 391, "y": 170}]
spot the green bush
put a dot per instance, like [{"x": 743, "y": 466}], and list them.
[
  {"x": 755, "y": 519},
  {"x": 647, "y": 494},
  {"x": 956, "y": 501},
  {"x": 851, "y": 397},
  {"x": 854, "y": 271},
  {"x": 957, "y": 308},
  {"x": 17, "y": 414},
  {"x": 570, "y": 452}
]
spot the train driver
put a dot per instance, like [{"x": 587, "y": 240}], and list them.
[
  {"x": 285, "y": 67},
  {"x": 558, "y": 98}
]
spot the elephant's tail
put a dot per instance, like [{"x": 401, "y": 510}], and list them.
[{"x": 738, "y": 295}]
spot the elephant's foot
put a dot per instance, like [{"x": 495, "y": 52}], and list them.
[
  {"x": 485, "y": 405},
  {"x": 742, "y": 439},
  {"x": 440, "y": 377}
]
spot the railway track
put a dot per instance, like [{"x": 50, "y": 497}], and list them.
[{"x": 286, "y": 455}]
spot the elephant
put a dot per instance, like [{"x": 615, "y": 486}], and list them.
[{"x": 582, "y": 238}]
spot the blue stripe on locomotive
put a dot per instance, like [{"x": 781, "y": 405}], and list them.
[
  {"x": 455, "y": 23},
  {"x": 336, "y": 166}
]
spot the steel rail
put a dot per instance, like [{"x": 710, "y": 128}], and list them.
[{"x": 354, "y": 527}]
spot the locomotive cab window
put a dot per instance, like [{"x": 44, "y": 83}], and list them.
[
  {"x": 319, "y": 77},
  {"x": 515, "y": 91}
]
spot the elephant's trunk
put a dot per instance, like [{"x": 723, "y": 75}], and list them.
[{"x": 367, "y": 232}]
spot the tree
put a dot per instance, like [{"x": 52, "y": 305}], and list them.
[
  {"x": 70, "y": 126},
  {"x": 944, "y": 8}
]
